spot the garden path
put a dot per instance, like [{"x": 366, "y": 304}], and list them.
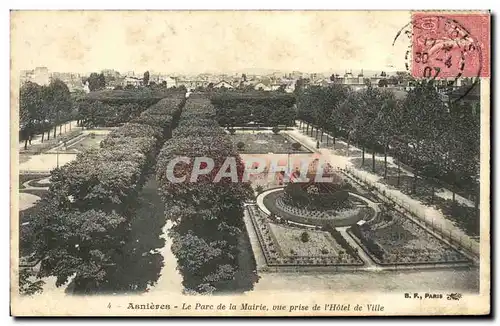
[
  {"x": 37, "y": 139},
  {"x": 369, "y": 263},
  {"x": 424, "y": 212},
  {"x": 170, "y": 279}
]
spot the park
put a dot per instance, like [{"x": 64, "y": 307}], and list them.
[{"x": 225, "y": 191}]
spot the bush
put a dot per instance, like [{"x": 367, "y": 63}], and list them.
[
  {"x": 304, "y": 237},
  {"x": 373, "y": 247},
  {"x": 296, "y": 146},
  {"x": 240, "y": 145},
  {"x": 276, "y": 130},
  {"x": 324, "y": 251},
  {"x": 259, "y": 189},
  {"x": 232, "y": 131},
  {"x": 341, "y": 241}
]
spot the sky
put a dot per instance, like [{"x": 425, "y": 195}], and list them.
[{"x": 207, "y": 41}]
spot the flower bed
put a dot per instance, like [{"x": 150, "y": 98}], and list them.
[
  {"x": 396, "y": 239},
  {"x": 283, "y": 245},
  {"x": 263, "y": 143},
  {"x": 275, "y": 204}
]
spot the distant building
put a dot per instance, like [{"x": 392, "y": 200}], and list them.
[
  {"x": 86, "y": 87},
  {"x": 262, "y": 87},
  {"x": 171, "y": 82},
  {"x": 223, "y": 84},
  {"x": 192, "y": 83},
  {"x": 41, "y": 76},
  {"x": 27, "y": 75},
  {"x": 132, "y": 81}
]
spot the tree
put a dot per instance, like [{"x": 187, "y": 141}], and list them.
[
  {"x": 462, "y": 144},
  {"x": 59, "y": 99},
  {"x": 296, "y": 146},
  {"x": 30, "y": 102},
  {"x": 145, "y": 78},
  {"x": 386, "y": 124},
  {"x": 383, "y": 83},
  {"x": 96, "y": 81},
  {"x": 421, "y": 122},
  {"x": 26, "y": 285},
  {"x": 85, "y": 245},
  {"x": 282, "y": 115},
  {"x": 102, "y": 81}
]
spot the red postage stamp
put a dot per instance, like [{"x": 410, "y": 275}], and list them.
[{"x": 450, "y": 45}]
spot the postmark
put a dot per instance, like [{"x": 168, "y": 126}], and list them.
[{"x": 448, "y": 46}]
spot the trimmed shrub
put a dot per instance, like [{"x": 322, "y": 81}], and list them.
[
  {"x": 296, "y": 146},
  {"x": 240, "y": 145},
  {"x": 276, "y": 130}
]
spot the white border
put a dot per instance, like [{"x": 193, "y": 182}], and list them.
[{"x": 185, "y": 4}]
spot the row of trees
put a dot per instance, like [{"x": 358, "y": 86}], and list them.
[
  {"x": 43, "y": 108},
  {"x": 239, "y": 109},
  {"x": 437, "y": 139},
  {"x": 207, "y": 215},
  {"x": 81, "y": 228}
]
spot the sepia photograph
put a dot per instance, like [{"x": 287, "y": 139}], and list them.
[{"x": 250, "y": 163}]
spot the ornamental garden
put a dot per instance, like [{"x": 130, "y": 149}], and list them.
[{"x": 96, "y": 221}]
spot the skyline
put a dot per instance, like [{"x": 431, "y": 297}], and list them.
[{"x": 178, "y": 41}]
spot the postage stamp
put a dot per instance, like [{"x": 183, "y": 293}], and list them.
[
  {"x": 443, "y": 45},
  {"x": 216, "y": 163}
]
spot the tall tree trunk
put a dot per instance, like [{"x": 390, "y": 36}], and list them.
[
  {"x": 363, "y": 156},
  {"x": 55, "y": 131},
  {"x": 26, "y": 144},
  {"x": 432, "y": 192},
  {"x": 60, "y": 130},
  {"x": 307, "y": 129},
  {"x": 321, "y": 137},
  {"x": 385, "y": 161},
  {"x": 453, "y": 197},
  {"x": 373, "y": 161},
  {"x": 327, "y": 136},
  {"x": 476, "y": 205},
  {"x": 399, "y": 172},
  {"x": 48, "y": 134},
  {"x": 414, "y": 186},
  {"x": 43, "y": 134}
]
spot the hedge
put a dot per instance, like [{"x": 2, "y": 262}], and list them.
[
  {"x": 208, "y": 216},
  {"x": 373, "y": 247},
  {"x": 99, "y": 192}
]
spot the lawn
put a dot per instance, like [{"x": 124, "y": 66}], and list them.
[
  {"x": 87, "y": 142},
  {"x": 48, "y": 144},
  {"x": 465, "y": 217},
  {"x": 320, "y": 243},
  {"x": 395, "y": 239},
  {"x": 282, "y": 244},
  {"x": 263, "y": 143},
  {"x": 379, "y": 166},
  {"x": 341, "y": 149}
]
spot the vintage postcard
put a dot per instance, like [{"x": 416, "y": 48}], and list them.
[{"x": 250, "y": 163}]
